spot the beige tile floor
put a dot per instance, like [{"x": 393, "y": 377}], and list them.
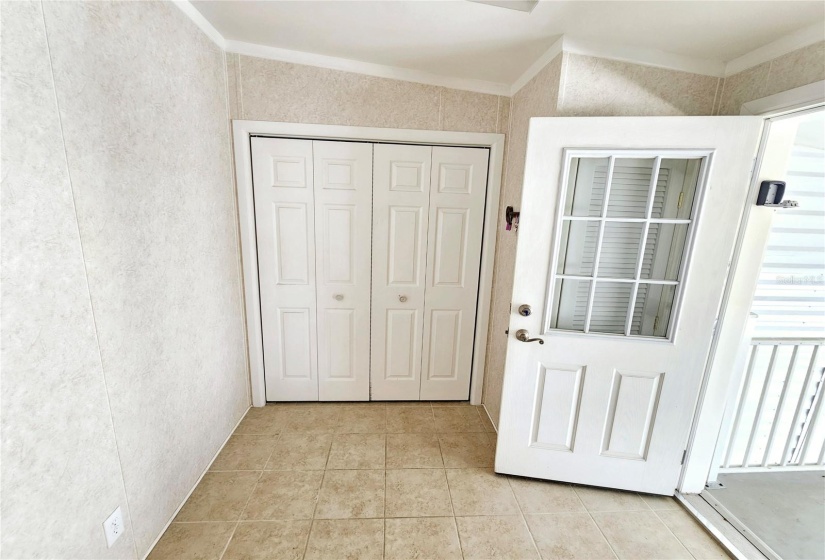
[{"x": 405, "y": 481}]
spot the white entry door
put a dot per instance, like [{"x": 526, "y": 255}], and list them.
[
  {"x": 400, "y": 221},
  {"x": 626, "y": 231}
]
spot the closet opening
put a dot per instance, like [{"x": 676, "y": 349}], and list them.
[{"x": 367, "y": 260}]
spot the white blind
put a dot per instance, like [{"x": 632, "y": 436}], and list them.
[
  {"x": 790, "y": 294},
  {"x": 620, "y": 246}
]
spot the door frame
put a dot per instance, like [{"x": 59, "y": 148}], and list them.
[
  {"x": 244, "y": 130},
  {"x": 721, "y": 360}
]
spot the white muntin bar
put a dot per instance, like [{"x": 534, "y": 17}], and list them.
[
  {"x": 620, "y": 280},
  {"x": 676, "y": 221},
  {"x": 651, "y": 193},
  {"x": 609, "y": 179}
]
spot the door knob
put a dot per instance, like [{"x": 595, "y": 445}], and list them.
[
  {"x": 338, "y": 297},
  {"x": 402, "y": 299},
  {"x": 524, "y": 336}
]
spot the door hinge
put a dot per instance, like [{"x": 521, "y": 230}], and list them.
[
  {"x": 681, "y": 200},
  {"x": 684, "y": 455}
]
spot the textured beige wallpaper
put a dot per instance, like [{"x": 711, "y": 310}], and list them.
[
  {"x": 142, "y": 99},
  {"x": 600, "y": 87},
  {"x": 269, "y": 90},
  {"x": 798, "y": 68},
  {"x": 538, "y": 98},
  {"x": 60, "y": 472}
]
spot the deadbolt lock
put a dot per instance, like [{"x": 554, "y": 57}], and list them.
[{"x": 524, "y": 310}]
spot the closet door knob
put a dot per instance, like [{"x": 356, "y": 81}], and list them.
[
  {"x": 338, "y": 297},
  {"x": 402, "y": 299}
]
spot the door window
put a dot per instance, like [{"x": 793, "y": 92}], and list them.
[{"x": 624, "y": 231}]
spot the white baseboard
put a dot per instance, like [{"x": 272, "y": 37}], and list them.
[
  {"x": 490, "y": 418},
  {"x": 188, "y": 494}
]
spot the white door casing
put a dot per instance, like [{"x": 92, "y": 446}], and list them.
[
  {"x": 343, "y": 226},
  {"x": 456, "y": 218},
  {"x": 285, "y": 224},
  {"x": 615, "y": 410},
  {"x": 401, "y": 193}
]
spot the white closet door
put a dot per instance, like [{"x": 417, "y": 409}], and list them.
[
  {"x": 456, "y": 217},
  {"x": 284, "y": 221},
  {"x": 401, "y": 193},
  {"x": 343, "y": 220}
]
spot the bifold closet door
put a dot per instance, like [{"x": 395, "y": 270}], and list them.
[
  {"x": 343, "y": 225},
  {"x": 456, "y": 221},
  {"x": 313, "y": 203},
  {"x": 428, "y": 217},
  {"x": 401, "y": 193},
  {"x": 285, "y": 225}
]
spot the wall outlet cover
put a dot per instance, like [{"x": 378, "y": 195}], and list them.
[{"x": 113, "y": 527}]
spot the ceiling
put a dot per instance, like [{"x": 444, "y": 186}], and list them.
[{"x": 478, "y": 41}]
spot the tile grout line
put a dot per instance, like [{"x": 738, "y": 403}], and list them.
[
  {"x": 675, "y": 536},
  {"x": 452, "y": 508},
  {"x": 384, "y": 507},
  {"x": 523, "y": 518},
  {"x": 593, "y": 519},
  {"x": 315, "y": 507},
  {"x": 240, "y": 515},
  {"x": 246, "y": 504}
]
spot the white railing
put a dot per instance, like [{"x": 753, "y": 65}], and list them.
[{"x": 779, "y": 419}]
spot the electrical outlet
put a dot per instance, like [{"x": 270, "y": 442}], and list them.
[{"x": 113, "y": 527}]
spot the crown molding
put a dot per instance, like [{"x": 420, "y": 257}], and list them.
[
  {"x": 634, "y": 55},
  {"x": 542, "y": 61},
  {"x": 187, "y": 8},
  {"x": 784, "y": 45},
  {"x": 368, "y": 68}
]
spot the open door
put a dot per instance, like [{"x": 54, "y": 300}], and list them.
[{"x": 626, "y": 231}]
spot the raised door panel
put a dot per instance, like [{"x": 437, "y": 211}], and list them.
[
  {"x": 634, "y": 401},
  {"x": 400, "y": 224},
  {"x": 405, "y": 241},
  {"x": 285, "y": 230},
  {"x": 343, "y": 217},
  {"x": 456, "y": 217},
  {"x": 556, "y": 406}
]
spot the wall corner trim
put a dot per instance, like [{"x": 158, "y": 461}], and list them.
[
  {"x": 542, "y": 61},
  {"x": 198, "y": 18}
]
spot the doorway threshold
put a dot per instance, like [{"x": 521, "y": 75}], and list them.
[{"x": 719, "y": 527}]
